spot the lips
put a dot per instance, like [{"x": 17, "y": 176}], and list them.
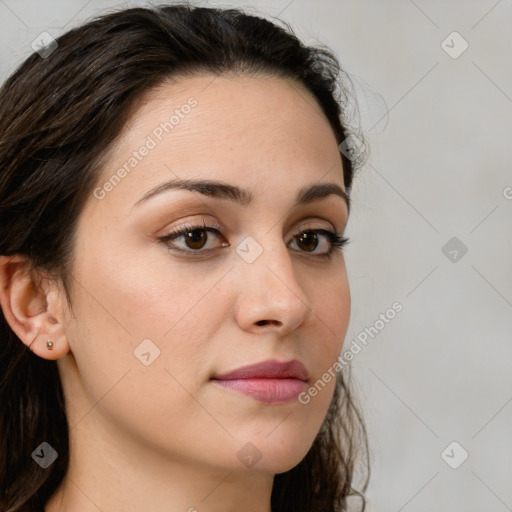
[
  {"x": 270, "y": 382},
  {"x": 267, "y": 370}
]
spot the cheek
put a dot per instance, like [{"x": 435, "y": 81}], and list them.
[
  {"x": 124, "y": 311},
  {"x": 332, "y": 309},
  {"x": 123, "y": 300},
  {"x": 331, "y": 304},
  {"x": 140, "y": 286}
]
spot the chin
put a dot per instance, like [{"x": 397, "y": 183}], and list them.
[{"x": 273, "y": 456}]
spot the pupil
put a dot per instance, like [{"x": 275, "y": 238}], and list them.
[
  {"x": 313, "y": 237},
  {"x": 199, "y": 236}
]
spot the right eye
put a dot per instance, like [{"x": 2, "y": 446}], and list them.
[{"x": 195, "y": 237}]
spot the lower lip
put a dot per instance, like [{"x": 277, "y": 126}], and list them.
[{"x": 269, "y": 391}]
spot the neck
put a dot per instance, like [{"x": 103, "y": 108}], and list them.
[{"x": 100, "y": 478}]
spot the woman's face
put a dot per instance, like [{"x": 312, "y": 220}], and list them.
[{"x": 155, "y": 320}]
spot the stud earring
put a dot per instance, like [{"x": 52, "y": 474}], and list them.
[{"x": 49, "y": 344}]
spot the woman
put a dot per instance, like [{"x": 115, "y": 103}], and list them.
[{"x": 174, "y": 296}]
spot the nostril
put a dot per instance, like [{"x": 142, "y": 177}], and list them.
[{"x": 265, "y": 322}]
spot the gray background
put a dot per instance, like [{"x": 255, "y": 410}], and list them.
[{"x": 438, "y": 127}]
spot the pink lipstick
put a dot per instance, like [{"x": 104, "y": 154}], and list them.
[{"x": 270, "y": 382}]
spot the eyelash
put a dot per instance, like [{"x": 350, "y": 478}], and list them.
[{"x": 337, "y": 242}]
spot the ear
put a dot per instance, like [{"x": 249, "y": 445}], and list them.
[{"x": 32, "y": 305}]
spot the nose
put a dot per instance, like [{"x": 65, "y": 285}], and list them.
[{"x": 270, "y": 295}]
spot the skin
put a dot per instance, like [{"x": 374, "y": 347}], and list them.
[{"x": 164, "y": 437}]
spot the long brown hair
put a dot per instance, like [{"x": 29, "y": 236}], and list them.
[{"x": 59, "y": 114}]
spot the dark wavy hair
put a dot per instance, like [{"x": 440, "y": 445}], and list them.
[{"x": 59, "y": 115}]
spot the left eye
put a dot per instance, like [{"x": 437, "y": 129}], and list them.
[
  {"x": 196, "y": 238},
  {"x": 310, "y": 240}
]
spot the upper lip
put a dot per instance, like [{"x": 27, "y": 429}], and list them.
[{"x": 270, "y": 369}]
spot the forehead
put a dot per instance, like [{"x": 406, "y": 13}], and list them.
[
  {"x": 233, "y": 107},
  {"x": 251, "y": 130}
]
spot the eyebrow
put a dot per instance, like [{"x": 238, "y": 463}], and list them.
[{"x": 220, "y": 190}]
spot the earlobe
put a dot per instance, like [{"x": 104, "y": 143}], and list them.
[{"x": 30, "y": 307}]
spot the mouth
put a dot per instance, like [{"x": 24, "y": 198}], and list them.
[{"x": 270, "y": 382}]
